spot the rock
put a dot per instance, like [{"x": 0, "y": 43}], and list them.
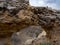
[
  {"x": 26, "y": 36},
  {"x": 29, "y": 42},
  {"x": 2, "y": 43},
  {"x": 22, "y": 16},
  {"x": 58, "y": 16},
  {"x": 51, "y": 17},
  {"x": 13, "y": 5}
]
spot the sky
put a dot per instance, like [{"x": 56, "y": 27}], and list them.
[{"x": 55, "y": 4}]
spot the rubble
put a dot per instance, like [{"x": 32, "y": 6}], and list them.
[{"x": 24, "y": 15}]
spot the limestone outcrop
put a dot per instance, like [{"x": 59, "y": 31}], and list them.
[{"x": 14, "y": 19}]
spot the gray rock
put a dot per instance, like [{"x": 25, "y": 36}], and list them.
[
  {"x": 51, "y": 17},
  {"x": 27, "y": 34},
  {"x": 1, "y": 43},
  {"x": 58, "y": 16}
]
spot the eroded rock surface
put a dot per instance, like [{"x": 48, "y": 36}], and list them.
[
  {"x": 21, "y": 17},
  {"x": 28, "y": 36}
]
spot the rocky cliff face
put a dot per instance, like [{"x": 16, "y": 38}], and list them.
[{"x": 24, "y": 15}]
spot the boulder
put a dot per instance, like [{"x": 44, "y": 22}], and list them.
[{"x": 27, "y": 35}]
